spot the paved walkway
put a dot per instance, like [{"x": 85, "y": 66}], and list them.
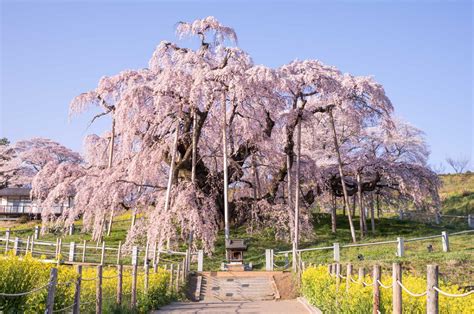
[{"x": 283, "y": 307}]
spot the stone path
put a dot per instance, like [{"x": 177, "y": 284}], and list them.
[{"x": 278, "y": 307}]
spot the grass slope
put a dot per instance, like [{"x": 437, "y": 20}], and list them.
[{"x": 457, "y": 195}]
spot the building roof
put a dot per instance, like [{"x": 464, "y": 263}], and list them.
[
  {"x": 15, "y": 192},
  {"x": 235, "y": 244}
]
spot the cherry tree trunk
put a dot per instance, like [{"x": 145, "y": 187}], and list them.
[
  {"x": 333, "y": 215},
  {"x": 341, "y": 174},
  {"x": 372, "y": 213},
  {"x": 224, "y": 153},
  {"x": 297, "y": 197}
]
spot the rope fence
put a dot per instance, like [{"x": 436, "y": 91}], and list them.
[{"x": 431, "y": 292}]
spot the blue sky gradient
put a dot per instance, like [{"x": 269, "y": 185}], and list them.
[{"x": 421, "y": 51}]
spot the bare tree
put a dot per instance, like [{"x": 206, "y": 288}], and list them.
[
  {"x": 459, "y": 164},
  {"x": 439, "y": 168}
]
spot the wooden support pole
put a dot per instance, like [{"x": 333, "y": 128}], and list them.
[
  {"x": 119, "y": 253},
  {"x": 145, "y": 281},
  {"x": 397, "y": 290},
  {"x": 348, "y": 277},
  {"x": 376, "y": 300},
  {"x": 171, "y": 276},
  {"x": 119, "y": 283},
  {"x": 84, "y": 246},
  {"x": 155, "y": 248},
  {"x": 98, "y": 291},
  {"x": 102, "y": 255},
  {"x": 77, "y": 292},
  {"x": 178, "y": 275},
  {"x": 145, "y": 259},
  {"x": 330, "y": 269},
  {"x": 432, "y": 302},
  {"x": 53, "y": 278}
]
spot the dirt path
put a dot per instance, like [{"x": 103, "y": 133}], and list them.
[{"x": 284, "y": 306}]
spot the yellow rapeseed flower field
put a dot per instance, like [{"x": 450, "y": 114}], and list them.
[
  {"x": 22, "y": 274},
  {"x": 319, "y": 288}
]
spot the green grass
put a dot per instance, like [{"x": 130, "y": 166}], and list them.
[{"x": 457, "y": 195}]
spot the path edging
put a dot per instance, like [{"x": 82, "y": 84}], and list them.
[{"x": 312, "y": 309}]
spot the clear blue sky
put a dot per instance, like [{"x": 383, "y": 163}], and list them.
[{"x": 420, "y": 51}]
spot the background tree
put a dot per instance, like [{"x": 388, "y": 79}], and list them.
[{"x": 458, "y": 164}]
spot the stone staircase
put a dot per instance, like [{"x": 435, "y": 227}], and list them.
[{"x": 237, "y": 286}]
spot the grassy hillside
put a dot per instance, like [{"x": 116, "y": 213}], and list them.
[{"x": 457, "y": 194}]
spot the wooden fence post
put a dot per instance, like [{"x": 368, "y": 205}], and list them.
[
  {"x": 337, "y": 252},
  {"x": 72, "y": 251},
  {"x": 7, "y": 236},
  {"x": 348, "y": 276},
  {"x": 400, "y": 247},
  {"x": 200, "y": 260},
  {"x": 32, "y": 245},
  {"x": 432, "y": 295},
  {"x": 184, "y": 271},
  {"x": 338, "y": 272},
  {"x": 171, "y": 276},
  {"x": 134, "y": 276},
  {"x": 71, "y": 229},
  {"x": 376, "y": 300},
  {"x": 77, "y": 293},
  {"x": 53, "y": 277},
  {"x": 98, "y": 291},
  {"x": 470, "y": 221},
  {"x": 84, "y": 246},
  {"x": 330, "y": 269},
  {"x": 268, "y": 260},
  {"x": 16, "y": 246},
  {"x": 102, "y": 255},
  {"x": 155, "y": 264},
  {"x": 27, "y": 244},
  {"x": 60, "y": 243},
  {"x": 397, "y": 290},
  {"x": 361, "y": 275},
  {"x": 119, "y": 283},
  {"x": 445, "y": 241},
  {"x": 178, "y": 275},
  {"x": 37, "y": 232}
]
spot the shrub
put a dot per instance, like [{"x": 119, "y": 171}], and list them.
[{"x": 320, "y": 289}]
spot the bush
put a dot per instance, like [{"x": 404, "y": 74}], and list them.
[
  {"x": 319, "y": 288},
  {"x": 22, "y": 274}
]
